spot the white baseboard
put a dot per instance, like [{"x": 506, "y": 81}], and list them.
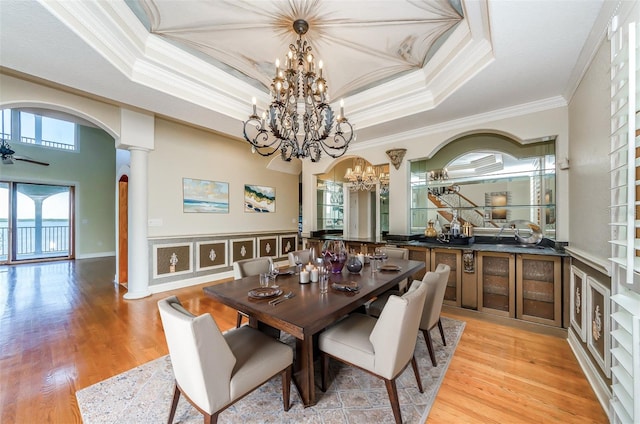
[
  {"x": 95, "y": 255},
  {"x": 179, "y": 284},
  {"x": 600, "y": 388}
]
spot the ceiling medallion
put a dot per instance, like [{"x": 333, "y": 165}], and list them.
[{"x": 299, "y": 122}]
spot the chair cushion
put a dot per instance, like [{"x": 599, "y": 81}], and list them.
[
  {"x": 258, "y": 357},
  {"x": 349, "y": 340},
  {"x": 376, "y": 307}
]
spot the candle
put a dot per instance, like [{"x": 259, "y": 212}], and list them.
[
  {"x": 309, "y": 267},
  {"x": 314, "y": 275},
  {"x": 320, "y": 66},
  {"x": 341, "y": 108},
  {"x": 361, "y": 258},
  {"x": 304, "y": 277},
  {"x": 253, "y": 100}
]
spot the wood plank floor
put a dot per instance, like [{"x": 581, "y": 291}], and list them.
[{"x": 65, "y": 326}]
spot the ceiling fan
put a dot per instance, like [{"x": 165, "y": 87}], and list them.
[{"x": 8, "y": 155}]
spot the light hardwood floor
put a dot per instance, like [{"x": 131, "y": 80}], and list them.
[{"x": 65, "y": 326}]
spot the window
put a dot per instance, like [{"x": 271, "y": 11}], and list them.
[{"x": 31, "y": 128}]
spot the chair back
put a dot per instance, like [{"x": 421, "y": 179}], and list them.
[
  {"x": 395, "y": 333},
  {"x": 437, "y": 285},
  {"x": 200, "y": 356},
  {"x": 254, "y": 266},
  {"x": 303, "y": 255},
  {"x": 396, "y": 252}
]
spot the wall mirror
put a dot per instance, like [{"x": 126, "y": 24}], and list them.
[
  {"x": 353, "y": 198},
  {"x": 488, "y": 188}
]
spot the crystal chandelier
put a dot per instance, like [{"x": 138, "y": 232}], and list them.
[
  {"x": 383, "y": 177},
  {"x": 439, "y": 176},
  {"x": 361, "y": 177},
  {"x": 299, "y": 122}
]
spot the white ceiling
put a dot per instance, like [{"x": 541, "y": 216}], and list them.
[{"x": 505, "y": 57}]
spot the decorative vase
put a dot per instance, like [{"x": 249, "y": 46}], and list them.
[
  {"x": 354, "y": 265},
  {"x": 430, "y": 231},
  {"x": 335, "y": 255}
]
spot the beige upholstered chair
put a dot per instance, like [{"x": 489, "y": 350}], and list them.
[
  {"x": 214, "y": 370},
  {"x": 433, "y": 307},
  {"x": 383, "y": 347},
  {"x": 303, "y": 255},
  {"x": 248, "y": 267},
  {"x": 437, "y": 285},
  {"x": 395, "y": 252},
  {"x": 253, "y": 266}
]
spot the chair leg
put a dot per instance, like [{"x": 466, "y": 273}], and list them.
[
  {"x": 324, "y": 370},
  {"x": 427, "y": 339},
  {"x": 444, "y": 342},
  {"x": 174, "y": 404},
  {"x": 239, "y": 320},
  {"x": 211, "y": 419},
  {"x": 393, "y": 399},
  {"x": 416, "y": 372},
  {"x": 286, "y": 388}
]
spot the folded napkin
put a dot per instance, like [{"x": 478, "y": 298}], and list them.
[{"x": 349, "y": 287}]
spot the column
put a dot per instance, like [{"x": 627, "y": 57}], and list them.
[{"x": 138, "y": 286}]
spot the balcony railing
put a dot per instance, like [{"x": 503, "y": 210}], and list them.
[{"x": 51, "y": 241}]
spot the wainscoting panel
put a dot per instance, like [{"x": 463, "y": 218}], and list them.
[{"x": 182, "y": 261}]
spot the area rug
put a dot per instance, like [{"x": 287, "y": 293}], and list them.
[{"x": 143, "y": 394}]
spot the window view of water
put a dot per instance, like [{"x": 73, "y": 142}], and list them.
[{"x": 42, "y": 224}]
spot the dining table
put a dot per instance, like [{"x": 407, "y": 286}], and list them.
[{"x": 308, "y": 311}]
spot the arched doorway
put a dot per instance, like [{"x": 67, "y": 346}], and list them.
[{"x": 123, "y": 230}]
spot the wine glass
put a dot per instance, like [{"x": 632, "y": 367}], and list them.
[
  {"x": 298, "y": 264},
  {"x": 273, "y": 271}
]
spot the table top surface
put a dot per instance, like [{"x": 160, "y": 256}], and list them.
[{"x": 309, "y": 311}]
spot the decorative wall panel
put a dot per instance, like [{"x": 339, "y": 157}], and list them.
[
  {"x": 578, "y": 315},
  {"x": 242, "y": 249},
  {"x": 172, "y": 259},
  {"x": 288, "y": 243},
  {"x": 211, "y": 255},
  {"x": 267, "y": 246},
  {"x": 598, "y": 334}
]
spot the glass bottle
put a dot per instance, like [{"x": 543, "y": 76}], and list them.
[
  {"x": 437, "y": 226},
  {"x": 455, "y": 225}
]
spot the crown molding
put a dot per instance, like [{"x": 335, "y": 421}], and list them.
[{"x": 459, "y": 125}]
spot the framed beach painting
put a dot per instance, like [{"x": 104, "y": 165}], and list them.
[
  {"x": 259, "y": 199},
  {"x": 204, "y": 196}
]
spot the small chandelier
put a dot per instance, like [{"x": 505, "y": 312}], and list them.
[
  {"x": 361, "y": 177},
  {"x": 383, "y": 177},
  {"x": 439, "y": 176},
  {"x": 299, "y": 122}
]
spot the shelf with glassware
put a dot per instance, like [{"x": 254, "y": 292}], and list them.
[
  {"x": 330, "y": 200},
  {"x": 490, "y": 218}
]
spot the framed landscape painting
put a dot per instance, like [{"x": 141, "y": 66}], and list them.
[
  {"x": 204, "y": 196},
  {"x": 259, "y": 199}
]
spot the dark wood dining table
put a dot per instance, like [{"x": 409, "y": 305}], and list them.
[{"x": 308, "y": 312}]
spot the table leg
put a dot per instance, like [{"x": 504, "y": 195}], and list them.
[{"x": 303, "y": 371}]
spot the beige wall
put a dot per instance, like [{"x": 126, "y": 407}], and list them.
[
  {"x": 184, "y": 152},
  {"x": 589, "y": 160}
]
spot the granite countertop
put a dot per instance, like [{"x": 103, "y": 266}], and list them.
[{"x": 480, "y": 243}]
